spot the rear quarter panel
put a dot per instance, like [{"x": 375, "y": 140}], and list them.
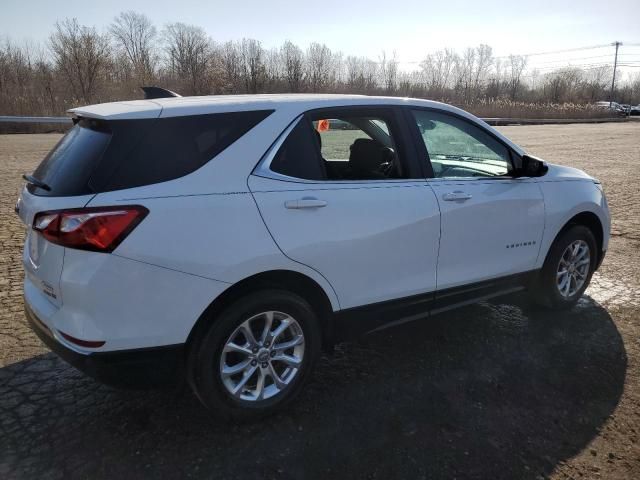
[{"x": 217, "y": 236}]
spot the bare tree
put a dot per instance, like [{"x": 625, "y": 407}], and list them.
[
  {"x": 561, "y": 85},
  {"x": 273, "y": 70},
  {"x": 81, "y": 65},
  {"x": 135, "y": 36},
  {"x": 484, "y": 57},
  {"x": 389, "y": 72},
  {"x": 231, "y": 59},
  {"x": 517, "y": 64},
  {"x": 81, "y": 54},
  {"x": 252, "y": 65},
  {"x": 596, "y": 81},
  {"x": 497, "y": 82},
  {"x": 361, "y": 74},
  {"x": 188, "y": 52},
  {"x": 293, "y": 65},
  {"x": 321, "y": 71},
  {"x": 44, "y": 82},
  {"x": 436, "y": 71},
  {"x": 15, "y": 73},
  {"x": 464, "y": 73}
]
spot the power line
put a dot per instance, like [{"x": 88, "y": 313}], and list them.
[
  {"x": 569, "y": 60},
  {"x": 567, "y": 50},
  {"x": 560, "y": 62}
]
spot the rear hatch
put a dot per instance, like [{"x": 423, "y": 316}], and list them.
[{"x": 65, "y": 171}]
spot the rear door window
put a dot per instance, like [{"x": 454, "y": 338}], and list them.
[
  {"x": 99, "y": 156},
  {"x": 298, "y": 156},
  {"x": 345, "y": 144}
]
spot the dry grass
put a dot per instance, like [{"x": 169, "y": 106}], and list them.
[{"x": 511, "y": 109}]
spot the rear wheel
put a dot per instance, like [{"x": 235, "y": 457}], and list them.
[
  {"x": 257, "y": 355},
  {"x": 568, "y": 268}
]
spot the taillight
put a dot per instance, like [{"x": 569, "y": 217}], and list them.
[{"x": 99, "y": 229}]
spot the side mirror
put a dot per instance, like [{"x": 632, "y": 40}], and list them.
[
  {"x": 531, "y": 167},
  {"x": 427, "y": 125}
]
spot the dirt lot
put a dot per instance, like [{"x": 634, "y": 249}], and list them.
[{"x": 490, "y": 391}]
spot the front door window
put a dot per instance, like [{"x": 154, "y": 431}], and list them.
[{"x": 458, "y": 148}]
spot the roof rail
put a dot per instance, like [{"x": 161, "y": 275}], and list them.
[{"x": 158, "y": 92}]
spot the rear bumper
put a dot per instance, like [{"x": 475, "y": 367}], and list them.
[{"x": 139, "y": 368}]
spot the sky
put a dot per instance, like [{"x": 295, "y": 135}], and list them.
[{"x": 411, "y": 28}]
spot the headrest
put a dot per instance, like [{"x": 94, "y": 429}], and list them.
[{"x": 367, "y": 155}]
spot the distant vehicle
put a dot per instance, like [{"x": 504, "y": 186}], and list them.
[
  {"x": 626, "y": 108},
  {"x": 614, "y": 107},
  {"x": 227, "y": 239},
  {"x": 337, "y": 124},
  {"x": 635, "y": 111}
]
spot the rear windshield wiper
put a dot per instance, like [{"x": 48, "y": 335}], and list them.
[{"x": 36, "y": 183}]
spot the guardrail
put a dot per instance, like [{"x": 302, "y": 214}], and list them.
[
  {"x": 12, "y": 119},
  {"x": 491, "y": 121},
  {"x": 545, "y": 121}
]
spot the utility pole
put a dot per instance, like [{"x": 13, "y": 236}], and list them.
[{"x": 615, "y": 66}]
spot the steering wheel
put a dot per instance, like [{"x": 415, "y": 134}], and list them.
[{"x": 390, "y": 167}]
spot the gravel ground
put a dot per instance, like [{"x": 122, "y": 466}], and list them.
[{"x": 490, "y": 391}]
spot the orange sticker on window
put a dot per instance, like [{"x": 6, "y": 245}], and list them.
[{"x": 323, "y": 125}]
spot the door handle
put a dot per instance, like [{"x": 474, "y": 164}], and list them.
[
  {"x": 457, "y": 196},
  {"x": 305, "y": 203}
]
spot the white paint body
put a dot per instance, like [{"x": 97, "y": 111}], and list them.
[{"x": 374, "y": 241}]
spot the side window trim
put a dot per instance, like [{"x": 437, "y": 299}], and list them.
[
  {"x": 423, "y": 152},
  {"x": 263, "y": 169},
  {"x": 419, "y": 147}
]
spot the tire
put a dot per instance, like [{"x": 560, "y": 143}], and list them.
[
  {"x": 547, "y": 290},
  {"x": 214, "y": 388}
]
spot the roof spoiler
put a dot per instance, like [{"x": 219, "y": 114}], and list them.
[{"x": 158, "y": 92}]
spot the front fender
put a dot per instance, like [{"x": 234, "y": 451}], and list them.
[{"x": 564, "y": 200}]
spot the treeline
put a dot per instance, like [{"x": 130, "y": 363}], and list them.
[{"x": 80, "y": 65}]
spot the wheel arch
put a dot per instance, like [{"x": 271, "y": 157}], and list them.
[
  {"x": 289, "y": 280},
  {"x": 592, "y": 222}
]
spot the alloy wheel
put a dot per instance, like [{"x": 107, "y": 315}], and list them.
[
  {"x": 573, "y": 268},
  {"x": 262, "y": 356}
]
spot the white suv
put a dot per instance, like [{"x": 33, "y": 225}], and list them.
[{"x": 227, "y": 239}]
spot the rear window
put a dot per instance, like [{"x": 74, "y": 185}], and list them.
[
  {"x": 68, "y": 166},
  {"x": 99, "y": 156}
]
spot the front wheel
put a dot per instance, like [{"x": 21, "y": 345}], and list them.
[
  {"x": 567, "y": 269},
  {"x": 257, "y": 355}
]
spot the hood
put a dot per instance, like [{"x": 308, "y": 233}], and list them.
[{"x": 562, "y": 173}]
